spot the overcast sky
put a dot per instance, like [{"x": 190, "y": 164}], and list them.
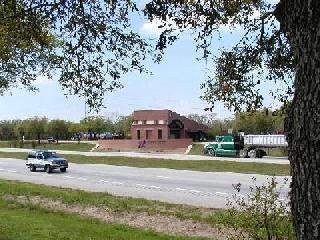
[{"x": 174, "y": 84}]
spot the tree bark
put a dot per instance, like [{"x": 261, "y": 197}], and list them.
[{"x": 300, "y": 19}]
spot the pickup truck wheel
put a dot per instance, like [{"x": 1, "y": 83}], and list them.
[
  {"x": 48, "y": 169},
  {"x": 63, "y": 169},
  {"x": 32, "y": 168}
]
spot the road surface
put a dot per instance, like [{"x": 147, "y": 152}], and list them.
[
  {"x": 200, "y": 189},
  {"x": 161, "y": 156}
]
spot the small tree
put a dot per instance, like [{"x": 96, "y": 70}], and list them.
[
  {"x": 261, "y": 215},
  {"x": 123, "y": 125},
  {"x": 58, "y": 128},
  {"x": 36, "y": 127}
]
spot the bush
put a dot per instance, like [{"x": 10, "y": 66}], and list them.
[
  {"x": 14, "y": 143},
  {"x": 21, "y": 144},
  {"x": 260, "y": 215},
  {"x": 33, "y": 144}
]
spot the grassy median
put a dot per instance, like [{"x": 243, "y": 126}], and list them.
[
  {"x": 203, "y": 166},
  {"x": 29, "y": 219},
  {"x": 82, "y": 147},
  {"x": 35, "y": 223}
]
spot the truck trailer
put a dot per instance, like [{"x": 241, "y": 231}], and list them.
[{"x": 244, "y": 145}]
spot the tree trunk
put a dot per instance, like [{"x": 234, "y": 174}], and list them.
[{"x": 300, "y": 19}]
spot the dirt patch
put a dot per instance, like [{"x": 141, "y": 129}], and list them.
[{"x": 159, "y": 223}]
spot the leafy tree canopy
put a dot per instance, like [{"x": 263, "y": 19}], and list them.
[
  {"x": 263, "y": 53},
  {"x": 90, "y": 44},
  {"x": 87, "y": 44}
]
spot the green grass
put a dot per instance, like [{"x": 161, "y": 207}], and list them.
[
  {"x": 14, "y": 214},
  {"x": 276, "y": 152},
  {"x": 203, "y": 166},
  {"x": 34, "y": 223},
  {"x": 197, "y": 149},
  {"x": 114, "y": 203},
  {"x": 83, "y": 147}
]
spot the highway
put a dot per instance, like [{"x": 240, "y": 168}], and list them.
[{"x": 202, "y": 189}]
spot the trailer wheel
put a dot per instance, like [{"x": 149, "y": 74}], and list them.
[
  {"x": 252, "y": 153},
  {"x": 260, "y": 153}
]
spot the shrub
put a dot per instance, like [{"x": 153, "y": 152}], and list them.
[
  {"x": 261, "y": 215},
  {"x": 14, "y": 143},
  {"x": 21, "y": 144},
  {"x": 33, "y": 144}
]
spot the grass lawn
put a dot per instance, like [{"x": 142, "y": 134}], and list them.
[
  {"x": 203, "y": 166},
  {"x": 114, "y": 203},
  {"x": 33, "y": 223},
  {"x": 83, "y": 147}
]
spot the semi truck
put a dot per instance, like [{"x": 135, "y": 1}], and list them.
[{"x": 252, "y": 146}]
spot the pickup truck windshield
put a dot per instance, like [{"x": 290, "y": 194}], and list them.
[{"x": 47, "y": 155}]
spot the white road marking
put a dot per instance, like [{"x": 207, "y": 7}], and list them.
[
  {"x": 162, "y": 177},
  {"x": 105, "y": 181},
  {"x": 222, "y": 193},
  {"x": 181, "y": 189},
  {"x": 155, "y": 187},
  {"x": 1, "y": 169},
  {"x": 68, "y": 177},
  {"x": 281, "y": 199},
  {"x": 141, "y": 185},
  {"x": 120, "y": 183},
  {"x": 12, "y": 171},
  {"x": 195, "y": 191},
  {"x": 81, "y": 178}
]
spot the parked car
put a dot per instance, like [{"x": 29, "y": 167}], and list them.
[
  {"x": 51, "y": 140},
  {"x": 106, "y": 135},
  {"x": 46, "y": 160}
]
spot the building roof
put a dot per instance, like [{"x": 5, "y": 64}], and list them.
[{"x": 189, "y": 124}]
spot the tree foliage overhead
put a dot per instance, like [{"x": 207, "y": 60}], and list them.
[
  {"x": 263, "y": 53},
  {"x": 87, "y": 44}
]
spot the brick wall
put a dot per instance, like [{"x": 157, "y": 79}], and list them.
[
  {"x": 158, "y": 145},
  {"x": 154, "y": 128}
]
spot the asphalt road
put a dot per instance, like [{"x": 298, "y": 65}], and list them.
[
  {"x": 162, "y": 156},
  {"x": 174, "y": 186}
]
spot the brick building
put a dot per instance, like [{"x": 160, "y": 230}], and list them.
[{"x": 165, "y": 125}]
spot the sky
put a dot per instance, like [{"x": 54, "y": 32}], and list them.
[{"x": 174, "y": 84}]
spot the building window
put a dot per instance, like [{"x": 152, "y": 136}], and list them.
[
  {"x": 144, "y": 122},
  {"x": 159, "y": 133},
  {"x": 135, "y": 122},
  {"x": 138, "y": 134},
  {"x": 156, "y": 121},
  {"x": 148, "y": 134}
]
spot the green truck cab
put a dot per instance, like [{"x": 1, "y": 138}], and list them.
[{"x": 225, "y": 146}]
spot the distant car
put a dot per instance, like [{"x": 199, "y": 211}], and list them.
[
  {"x": 46, "y": 160},
  {"x": 51, "y": 140},
  {"x": 106, "y": 135}
]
